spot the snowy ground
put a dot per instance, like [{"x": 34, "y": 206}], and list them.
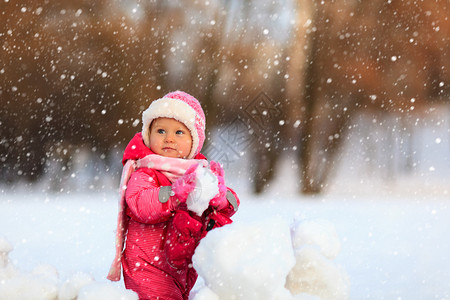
[
  {"x": 392, "y": 247},
  {"x": 393, "y": 226}
]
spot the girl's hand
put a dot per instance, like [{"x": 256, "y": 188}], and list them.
[
  {"x": 220, "y": 201},
  {"x": 184, "y": 185}
]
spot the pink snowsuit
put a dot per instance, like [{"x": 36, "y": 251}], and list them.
[{"x": 145, "y": 263}]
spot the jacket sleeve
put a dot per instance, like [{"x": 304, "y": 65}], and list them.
[
  {"x": 233, "y": 203},
  {"x": 143, "y": 201}
]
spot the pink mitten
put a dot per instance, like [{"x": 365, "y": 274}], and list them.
[
  {"x": 220, "y": 201},
  {"x": 184, "y": 185}
]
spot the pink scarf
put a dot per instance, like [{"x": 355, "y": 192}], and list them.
[{"x": 172, "y": 168}]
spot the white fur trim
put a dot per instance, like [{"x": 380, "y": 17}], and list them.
[{"x": 170, "y": 108}]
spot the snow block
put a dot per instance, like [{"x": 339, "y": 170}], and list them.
[{"x": 247, "y": 261}]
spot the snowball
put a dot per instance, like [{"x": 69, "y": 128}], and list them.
[
  {"x": 71, "y": 287},
  {"x": 108, "y": 291},
  {"x": 247, "y": 261},
  {"x": 206, "y": 187},
  {"x": 320, "y": 233},
  {"x": 315, "y": 274}
]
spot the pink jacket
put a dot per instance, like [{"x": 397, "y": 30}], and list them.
[{"x": 145, "y": 262}]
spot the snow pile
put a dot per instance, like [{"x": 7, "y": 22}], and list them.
[
  {"x": 270, "y": 259},
  {"x": 315, "y": 244},
  {"x": 230, "y": 260},
  {"x": 206, "y": 187},
  {"x": 6, "y": 268},
  {"x": 42, "y": 283},
  {"x": 71, "y": 287},
  {"x": 5, "y": 248}
]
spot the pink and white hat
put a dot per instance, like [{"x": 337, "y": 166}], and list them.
[{"x": 182, "y": 107}]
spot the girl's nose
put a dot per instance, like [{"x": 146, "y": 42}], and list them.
[{"x": 169, "y": 138}]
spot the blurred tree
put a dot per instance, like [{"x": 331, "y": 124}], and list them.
[
  {"x": 376, "y": 55},
  {"x": 78, "y": 73}
]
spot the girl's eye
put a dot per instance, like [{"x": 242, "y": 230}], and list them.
[
  {"x": 180, "y": 132},
  {"x": 160, "y": 131}
]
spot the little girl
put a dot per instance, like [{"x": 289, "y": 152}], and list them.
[{"x": 161, "y": 211}]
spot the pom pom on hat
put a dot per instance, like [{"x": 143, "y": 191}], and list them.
[{"x": 182, "y": 107}]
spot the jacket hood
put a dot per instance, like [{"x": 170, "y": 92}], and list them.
[
  {"x": 182, "y": 107},
  {"x": 136, "y": 149}
]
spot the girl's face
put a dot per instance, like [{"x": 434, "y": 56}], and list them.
[{"x": 170, "y": 138}]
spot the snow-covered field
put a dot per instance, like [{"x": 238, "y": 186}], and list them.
[{"x": 391, "y": 247}]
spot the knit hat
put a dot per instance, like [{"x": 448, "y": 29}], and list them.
[{"x": 182, "y": 107}]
